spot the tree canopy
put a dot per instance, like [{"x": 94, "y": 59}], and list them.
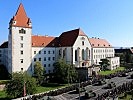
[
  {"x": 39, "y": 72},
  {"x": 104, "y": 64},
  {"x": 64, "y": 73},
  {"x": 20, "y": 83}
]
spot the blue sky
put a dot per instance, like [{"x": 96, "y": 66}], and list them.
[{"x": 108, "y": 19}]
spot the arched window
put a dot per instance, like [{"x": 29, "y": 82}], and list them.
[
  {"x": 22, "y": 31},
  {"x": 83, "y": 54},
  {"x": 75, "y": 55}
]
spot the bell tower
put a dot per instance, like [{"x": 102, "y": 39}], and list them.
[{"x": 19, "y": 41}]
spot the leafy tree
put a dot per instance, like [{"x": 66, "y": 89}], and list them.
[
  {"x": 104, "y": 64},
  {"x": 64, "y": 73},
  {"x": 20, "y": 80},
  {"x": 39, "y": 72}
]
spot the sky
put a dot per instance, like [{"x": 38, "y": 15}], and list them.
[{"x": 107, "y": 19}]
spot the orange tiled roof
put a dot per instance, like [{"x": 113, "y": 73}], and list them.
[
  {"x": 68, "y": 38},
  {"x": 21, "y": 18},
  {"x": 44, "y": 41},
  {"x": 96, "y": 42}
]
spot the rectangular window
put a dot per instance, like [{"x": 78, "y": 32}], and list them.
[
  {"x": 21, "y": 60},
  {"x": 39, "y": 52},
  {"x": 75, "y": 55},
  {"x": 53, "y": 52},
  {"x": 0, "y": 51},
  {"x": 21, "y": 52},
  {"x": 44, "y": 65},
  {"x": 82, "y": 42},
  {"x": 44, "y": 52},
  {"x": 0, "y": 60},
  {"x": 34, "y": 59},
  {"x": 48, "y": 71},
  {"x": 34, "y": 52},
  {"x": 48, "y": 65},
  {"x": 49, "y": 58},
  {"x": 48, "y": 52},
  {"x": 53, "y": 58},
  {"x": 44, "y": 58},
  {"x": 21, "y": 45},
  {"x": 21, "y": 37},
  {"x": 39, "y": 59},
  {"x": 0, "y": 55}
]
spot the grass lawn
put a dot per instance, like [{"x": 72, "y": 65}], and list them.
[
  {"x": 46, "y": 87},
  {"x": 111, "y": 71},
  {"x": 121, "y": 97},
  {"x": 49, "y": 87}
]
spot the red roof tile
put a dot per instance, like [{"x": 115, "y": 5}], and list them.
[
  {"x": 44, "y": 41},
  {"x": 96, "y": 42},
  {"x": 68, "y": 38},
  {"x": 21, "y": 18},
  {"x": 4, "y": 45}
]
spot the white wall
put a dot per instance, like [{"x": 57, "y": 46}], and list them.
[
  {"x": 15, "y": 56},
  {"x": 79, "y": 47},
  {"x": 50, "y": 57}
]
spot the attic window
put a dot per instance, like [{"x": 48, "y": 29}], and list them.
[
  {"x": 22, "y": 31},
  {"x": 98, "y": 44},
  {"x": 82, "y": 38},
  {"x": 104, "y": 45},
  {"x": 92, "y": 44}
]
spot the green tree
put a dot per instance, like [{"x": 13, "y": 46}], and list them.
[
  {"x": 39, "y": 72},
  {"x": 104, "y": 64},
  {"x": 64, "y": 73},
  {"x": 15, "y": 87}
]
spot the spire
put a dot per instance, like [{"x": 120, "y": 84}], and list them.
[{"x": 20, "y": 19}]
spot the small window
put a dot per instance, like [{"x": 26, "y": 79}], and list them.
[
  {"x": 44, "y": 52},
  {"x": 39, "y": 52},
  {"x": 48, "y": 65},
  {"x": 0, "y": 60},
  {"x": 21, "y": 69},
  {"x": 82, "y": 42},
  {"x": 21, "y": 52},
  {"x": 48, "y": 52},
  {"x": 39, "y": 59},
  {"x": 53, "y": 58},
  {"x": 21, "y": 60},
  {"x": 49, "y": 58},
  {"x": 0, "y": 55},
  {"x": 21, "y": 37},
  {"x": 0, "y": 51},
  {"x": 48, "y": 71},
  {"x": 44, "y": 65},
  {"x": 22, "y": 31},
  {"x": 44, "y": 58},
  {"x": 34, "y": 52},
  {"x": 21, "y": 45},
  {"x": 34, "y": 59},
  {"x": 53, "y": 52}
]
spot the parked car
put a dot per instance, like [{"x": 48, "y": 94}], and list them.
[
  {"x": 110, "y": 85},
  {"x": 100, "y": 82}
]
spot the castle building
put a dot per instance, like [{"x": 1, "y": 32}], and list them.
[{"x": 23, "y": 49}]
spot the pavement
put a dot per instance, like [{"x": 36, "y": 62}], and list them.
[{"x": 72, "y": 95}]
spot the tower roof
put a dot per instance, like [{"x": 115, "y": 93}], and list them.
[{"x": 20, "y": 19}]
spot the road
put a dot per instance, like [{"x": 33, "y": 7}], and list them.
[{"x": 97, "y": 89}]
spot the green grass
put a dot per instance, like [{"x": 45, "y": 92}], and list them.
[
  {"x": 121, "y": 97},
  {"x": 46, "y": 87},
  {"x": 49, "y": 87},
  {"x": 111, "y": 71}
]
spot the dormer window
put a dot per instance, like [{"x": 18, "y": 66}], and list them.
[{"x": 22, "y": 31}]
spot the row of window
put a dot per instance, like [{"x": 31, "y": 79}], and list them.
[
  {"x": 47, "y": 65},
  {"x": 45, "y": 52},
  {"x": 102, "y": 51},
  {"x": 102, "y": 56},
  {"x": 45, "y": 59}
]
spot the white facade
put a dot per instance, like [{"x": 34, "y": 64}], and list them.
[{"x": 45, "y": 55}]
